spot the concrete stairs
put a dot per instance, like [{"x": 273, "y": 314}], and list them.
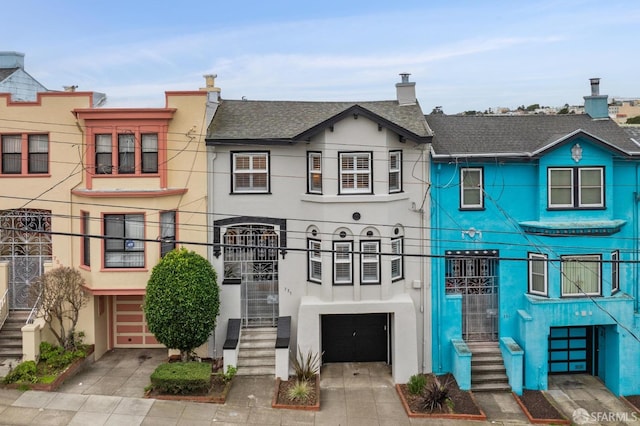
[
  {"x": 257, "y": 352},
  {"x": 488, "y": 373},
  {"x": 11, "y": 335}
]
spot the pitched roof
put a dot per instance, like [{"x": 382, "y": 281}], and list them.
[
  {"x": 6, "y": 72},
  {"x": 633, "y": 132},
  {"x": 292, "y": 121},
  {"x": 520, "y": 136}
]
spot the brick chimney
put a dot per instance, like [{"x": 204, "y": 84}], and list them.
[
  {"x": 596, "y": 105},
  {"x": 406, "y": 91}
]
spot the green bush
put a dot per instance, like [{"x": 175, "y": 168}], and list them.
[
  {"x": 25, "y": 372},
  {"x": 228, "y": 375},
  {"x": 416, "y": 384},
  {"x": 56, "y": 358},
  {"x": 182, "y": 378},
  {"x": 182, "y": 301}
]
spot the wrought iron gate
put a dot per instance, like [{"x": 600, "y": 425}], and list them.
[
  {"x": 476, "y": 278},
  {"x": 251, "y": 256},
  {"x": 25, "y": 243}
]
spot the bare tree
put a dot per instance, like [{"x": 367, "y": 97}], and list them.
[{"x": 59, "y": 297}]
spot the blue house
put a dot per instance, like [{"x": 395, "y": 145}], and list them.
[{"x": 535, "y": 239}]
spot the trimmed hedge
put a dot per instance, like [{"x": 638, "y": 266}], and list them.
[{"x": 182, "y": 378}]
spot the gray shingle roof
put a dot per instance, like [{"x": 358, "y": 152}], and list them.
[
  {"x": 288, "y": 120},
  {"x": 459, "y": 136},
  {"x": 6, "y": 72},
  {"x": 633, "y": 132}
]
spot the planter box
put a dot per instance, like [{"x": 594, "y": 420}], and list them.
[
  {"x": 211, "y": 398},
  {"x": 453, "y": 416},
  {"x": 535, "y": 420},
  {"x": 314, "y": 407},
  {"x": 77, "y": 366}
]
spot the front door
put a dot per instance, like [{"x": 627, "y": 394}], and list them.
[
  {"x": 25, "y": 243},
  {"x": 475, "y": 277},
  {"x": 251, "y": 256}
]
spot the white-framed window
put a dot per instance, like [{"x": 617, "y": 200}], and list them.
[
  {"x": 124, "y": 241},
  {"x": 250, "y": 172},
  {"x": 314, "y": 167},
  {"x": 538, "y": 274},
  {"x": 581, "y": 275},
  {"x": 355, "y": 173},
  {"x": 167, "y": 231},
  {"x": 395, "y": 171},
  {"x": 615, "y": 271},
  {"x": 343, "y": 262},
  {"x": 471, "y": 188},
  {"x": 575, "y": 187},
  {"x": 315, "y": 261},
  {"x": 370, "y": 262},
  {"x": 397, "y": 263}
]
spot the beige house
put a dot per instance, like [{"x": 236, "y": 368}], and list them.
[{"x": 111, "y": 190}]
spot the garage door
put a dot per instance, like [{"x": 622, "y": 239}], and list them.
[
  {"x": 130, "y": 328},
  {"x": 355, "y": 338},
  {"x": 571, "y": 350}
]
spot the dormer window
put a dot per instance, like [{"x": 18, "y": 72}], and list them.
[{"x": 575, "y": 187}]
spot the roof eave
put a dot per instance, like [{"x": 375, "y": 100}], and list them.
[{"x": 262, "y": 141}]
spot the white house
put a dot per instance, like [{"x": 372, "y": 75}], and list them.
[{"x": 319, "y": 214}]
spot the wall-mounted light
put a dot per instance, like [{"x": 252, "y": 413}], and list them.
[
  {"x": 576, "y": 153},
  {"x": 472, "y": 233}
]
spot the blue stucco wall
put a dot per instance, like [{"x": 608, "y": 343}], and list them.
[{"x": 516, "y": 192}]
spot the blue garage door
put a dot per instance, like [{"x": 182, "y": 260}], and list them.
[{"x": 571, "y": 350}]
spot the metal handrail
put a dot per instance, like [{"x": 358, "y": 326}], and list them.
[
  {"x": 4, "y": 307},
  {"x": 32, "y": 314}
]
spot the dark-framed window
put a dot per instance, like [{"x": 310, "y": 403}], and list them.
[
  {"x": 11, "y": 154},
  {"x": 575, "y": 187},
  {"x": 126, "y": 153},
  {"x": 397, "y": 258},
  {"x": 104, "y": 149},
  {"x": 314, "y": 172},
  {"x": 395, "y": 171},
  {"x": 85, "y": 229},
  {"x": 370, "y": 262},
  {"x": 124, "y": 241},
  {"x": 314, "y": 267},
  {"x": 581, "y": 275},
  {"x": 615, "y": 271},
  {"x": 538, "y": 274},
  {"x": 167, "y": 231},
  {"x": 24, "y": 154},
  {"x": 149, "y": 152},
  {"x": 250, "y": 172},
  {"x": 355, "y": 172},
  {"x": 343, "y": 262},
  {"x": 471, "y": 188},
  {"x": 38, "y": 153}
]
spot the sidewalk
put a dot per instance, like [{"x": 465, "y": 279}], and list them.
[{"x": 110, "y": 392}]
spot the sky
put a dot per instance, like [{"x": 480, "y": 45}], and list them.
[{"x": 463, "y": 55}]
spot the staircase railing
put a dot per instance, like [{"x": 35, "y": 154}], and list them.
[
  {"x": 4, "y": 308},
  {"x": 32, "y": 315}
]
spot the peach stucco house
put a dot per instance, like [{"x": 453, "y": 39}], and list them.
[{"x": 108, "y": 191}]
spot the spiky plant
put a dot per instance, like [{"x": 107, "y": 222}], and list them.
[
  {"x": 301, "y": 391},
  {"x": 435, "y": 396}
]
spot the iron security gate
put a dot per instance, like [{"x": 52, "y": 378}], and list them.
[
  {"x": 25, "y": 243},
  {"x": 251, "y": 256},
  {"x": 475, "y": 276}
]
